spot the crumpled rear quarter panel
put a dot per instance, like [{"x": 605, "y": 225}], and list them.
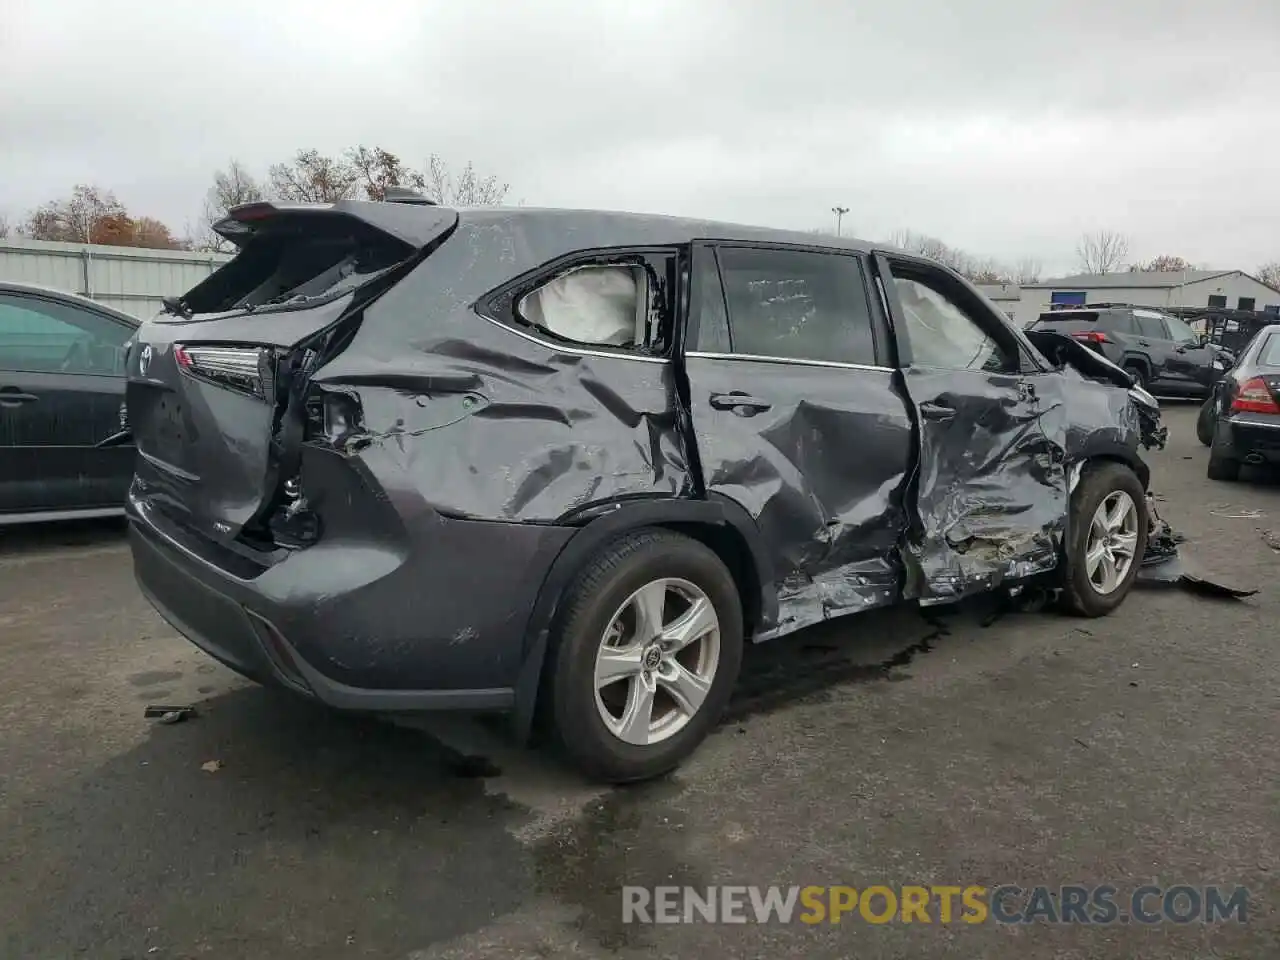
[{"x": 488, "y": 423}]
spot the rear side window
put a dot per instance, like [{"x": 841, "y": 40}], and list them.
[
  {"x": 795, "y": 305},
  {"x": 602, "y": 305},
  {"x": 615, "y": 299},
  {"x": 1269, "y": 355},
  {"x": 1150, "y": 326},
  {"x": 1118, "y": 323}
]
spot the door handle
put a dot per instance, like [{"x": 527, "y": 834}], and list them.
[
  {"x": 12, "y": 397},
  {"x": 935, "y": 411},
  {"x": 740, "y": 403}
]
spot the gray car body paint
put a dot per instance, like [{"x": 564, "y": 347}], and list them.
[{"x": 456, "y": 415}]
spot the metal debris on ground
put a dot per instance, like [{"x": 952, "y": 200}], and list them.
[
  {"x": 211, "y": 766},
  {"x": 1162, "y": 565},
  {"x": 169, "y": 715},
  {"x": 1241, "y": 515}
]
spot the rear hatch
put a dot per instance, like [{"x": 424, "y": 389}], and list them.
[
  {"x": 1083, "y": 325},
  {"x": 218, "y": 382}
]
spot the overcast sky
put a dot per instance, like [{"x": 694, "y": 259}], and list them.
[{"x": 1005, "y": 127}]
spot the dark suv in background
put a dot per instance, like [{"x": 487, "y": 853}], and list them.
[
  {"x": 1161, "y": 351},
  {"x": 399, "y": 457}
]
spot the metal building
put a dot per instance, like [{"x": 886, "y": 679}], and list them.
[{"x": 128, "y": 278}]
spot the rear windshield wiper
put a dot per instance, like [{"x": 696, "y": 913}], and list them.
[{"x": 177, "y": 307}]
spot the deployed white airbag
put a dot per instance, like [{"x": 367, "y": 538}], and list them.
[{"x": 600, "y": 305}]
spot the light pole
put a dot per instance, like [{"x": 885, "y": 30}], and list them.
[{"x": 839, "y": 212}]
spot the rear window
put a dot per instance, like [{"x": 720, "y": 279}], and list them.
[
  {"x": 1068, "y": 316},
  {"x": 299, "y": 262}
]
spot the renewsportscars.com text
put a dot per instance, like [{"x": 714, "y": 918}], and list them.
[{"x": 1006, "y": 904}]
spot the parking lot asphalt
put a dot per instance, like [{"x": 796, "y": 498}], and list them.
[{"x": 885, "y": 749}]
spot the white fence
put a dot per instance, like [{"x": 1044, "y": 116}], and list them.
[{"x": 128, "y": 278}]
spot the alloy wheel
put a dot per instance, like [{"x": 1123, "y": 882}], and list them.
[
  {"x": 1112, "y": 542},
  {"x": 657, "y": 661}
]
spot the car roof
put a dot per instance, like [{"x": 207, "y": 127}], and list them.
[
  {"x": 616, "y": 228},
  {"x": 74, "y": 299}
]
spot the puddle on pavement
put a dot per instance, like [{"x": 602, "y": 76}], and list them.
[{"x": 622, "y": 838}]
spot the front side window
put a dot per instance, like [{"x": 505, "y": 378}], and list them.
[
  {"x": 43, "y": 336},
  {"x": 797, "y": 305},
  {"x": 941, "y": 333},
  {"x": 1180, "y": 331}
]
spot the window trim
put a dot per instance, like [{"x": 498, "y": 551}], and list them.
[
  {"x": 880, "y": 339},
  {"x": 499, "y": 304},
  {"x": 20, "y": 296},
  {"x": 1014, "y": 345}
]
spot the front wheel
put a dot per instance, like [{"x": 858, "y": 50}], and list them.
[
  {"x": 1107, "y": 537},
  {"x": 646, "y": 655}
]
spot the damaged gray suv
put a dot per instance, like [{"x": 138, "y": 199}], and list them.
[{"x": 397, "y": 457}]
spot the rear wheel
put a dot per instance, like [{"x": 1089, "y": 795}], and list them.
[
  {"x": 1223, "y": 468},
  {"x": 1204, "y": 422},
  {"x": 1107, "y": 538},
  {"x": 1138, "y": 372},
  {"x": 647, "y": 653}
]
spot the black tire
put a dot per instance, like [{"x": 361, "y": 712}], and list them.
[
  {"x": 1204, "y": 422},
  {"x": 599, "y": 590},
  {"x": 1099, "y": 481},
  {"x": 1223, "y": 468},
  {"x": 1139, "y": 374}
]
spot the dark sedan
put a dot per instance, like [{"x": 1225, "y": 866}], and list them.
[
  {"x": 1240, "y": 422},
  {"x": 64, "y": 449}
]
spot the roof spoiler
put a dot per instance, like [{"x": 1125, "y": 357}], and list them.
[
  {"x": 405, "y": 195},
  {"x": 402, "y": 218}
]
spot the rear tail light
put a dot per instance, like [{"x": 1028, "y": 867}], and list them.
[
  {"x": 245, "y": 369},
  {"x": 1091, "y": 336},
  {"x": 1254, "y": 397}
]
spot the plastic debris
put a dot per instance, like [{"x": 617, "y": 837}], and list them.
[
  {"x": 211, "y": 766},
  {"x": 169, "y": 715}
]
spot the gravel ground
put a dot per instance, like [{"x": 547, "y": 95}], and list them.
[{"x": 884, "y": 750}]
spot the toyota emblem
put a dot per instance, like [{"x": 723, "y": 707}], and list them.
[{"x": 144, "y": 359}]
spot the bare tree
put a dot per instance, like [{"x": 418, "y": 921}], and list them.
[
  {"x": 93, "y": 215},
  {"x": 231, "y": 188},
  {"x": 1102, "y": 251},
  {"x": 4, "y": 226},
  {"x": 1162, "y": 264},
  {"x": 1269, "y": 273},
  {"x": 312, "y": 177},
  {"x": 88, "y": 215},
  {"x": 467, "y": 189},
  {"x": 378, "y": 169},
  {"x": 1027, "y": 271}
]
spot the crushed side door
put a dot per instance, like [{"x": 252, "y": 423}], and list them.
[
  {"x": 814, "y": 449},
  {"x": 989, "y": 495}
]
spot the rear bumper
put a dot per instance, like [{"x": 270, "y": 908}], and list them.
[
  {"x": 436, "y": 624},
  {"x": 1248, "y": 437}
]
